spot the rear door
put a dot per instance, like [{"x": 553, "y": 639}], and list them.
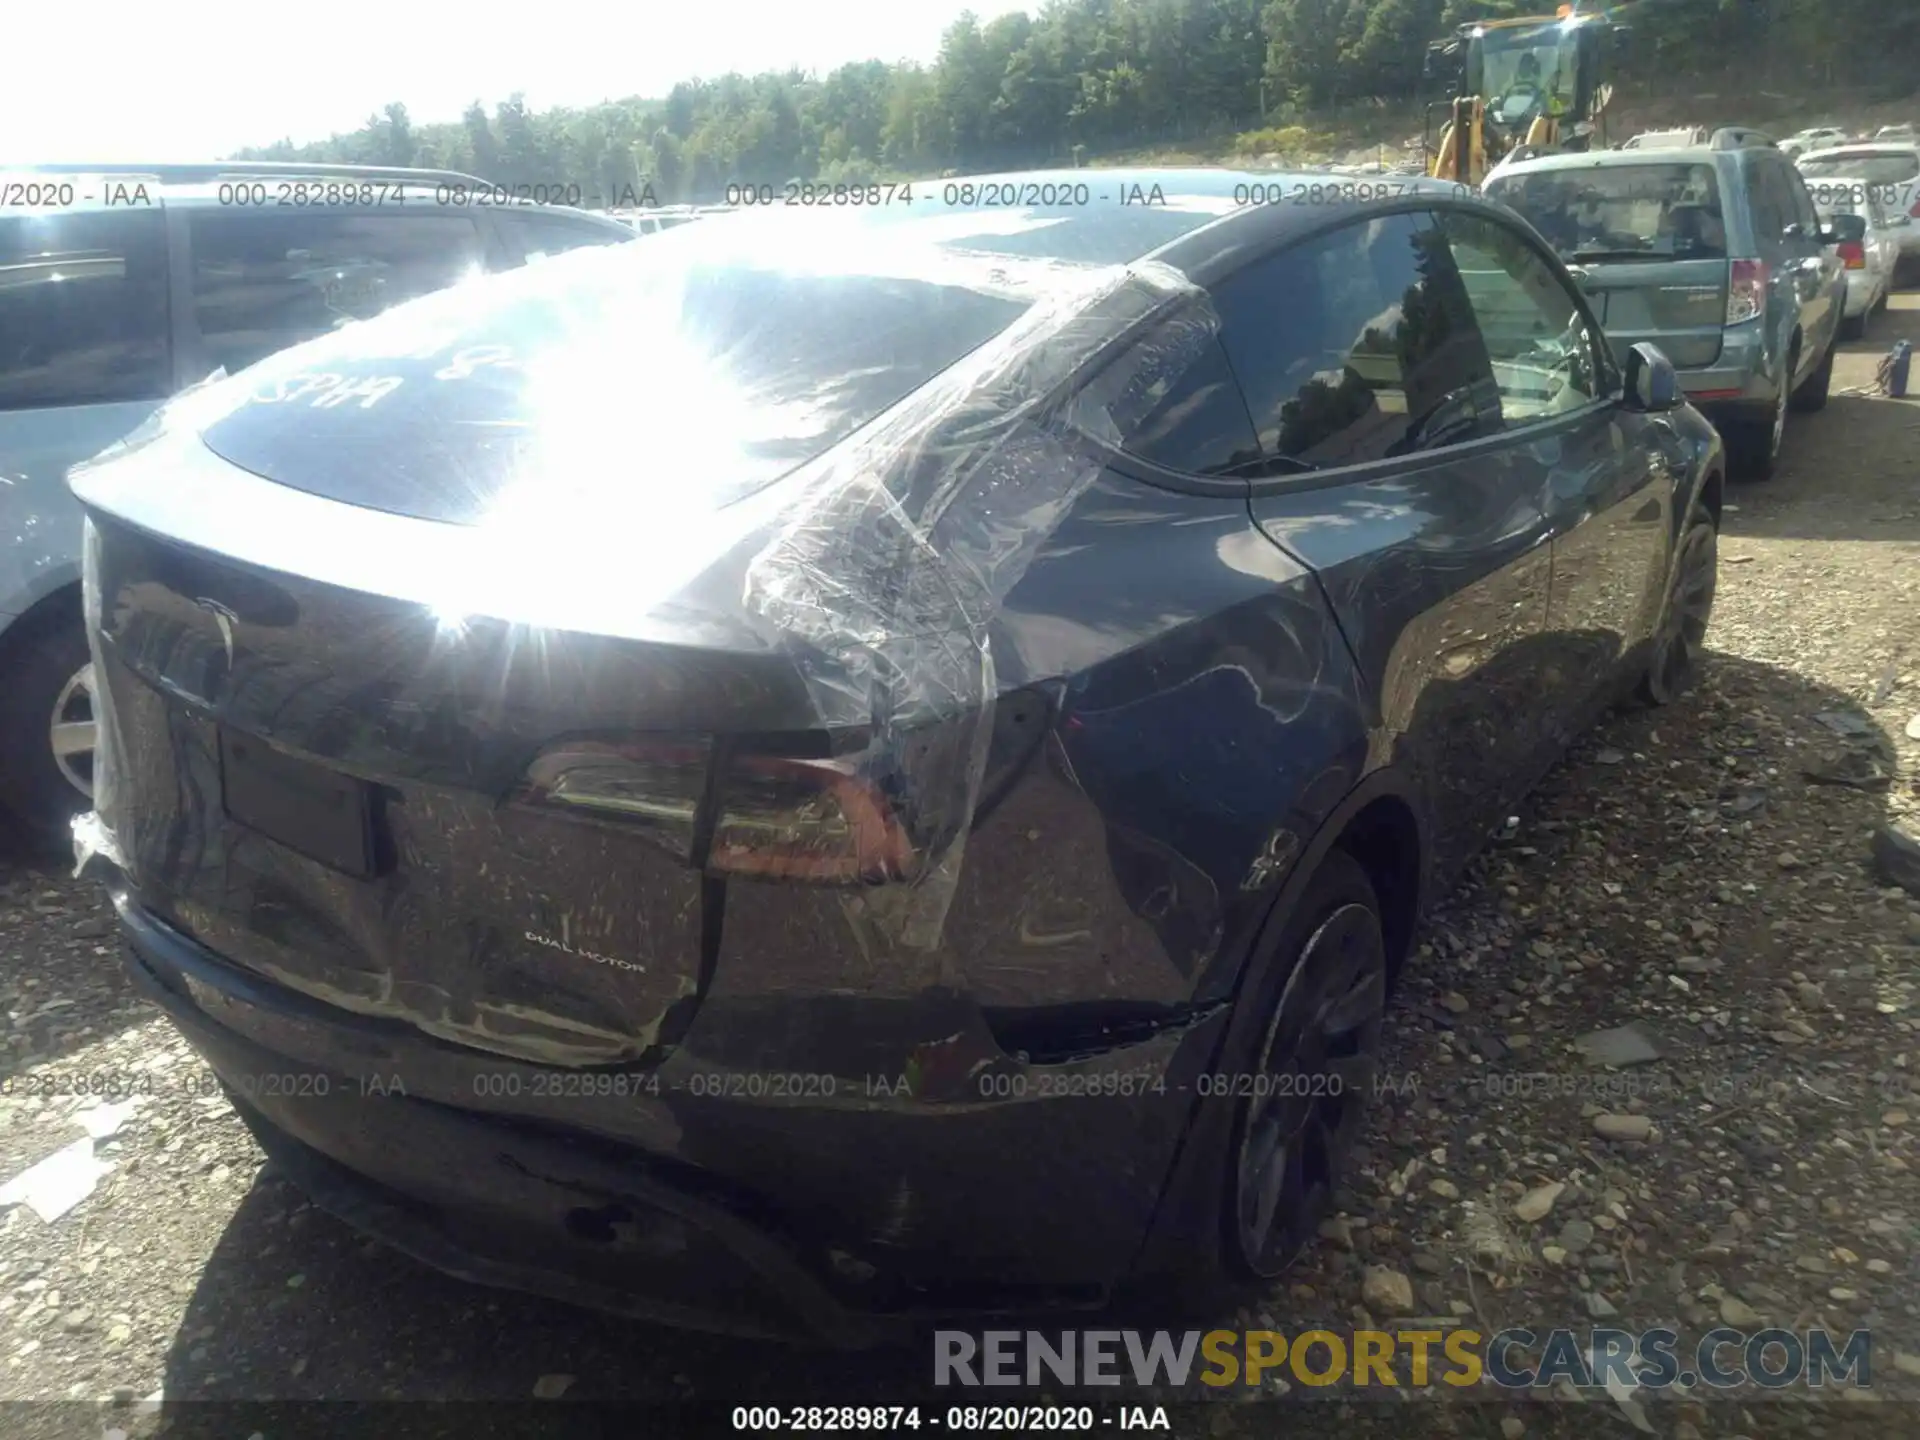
[
  {"x": 1826, "y": 275},
  {"x": 1385, "y": 470},
  {"x": 261, "y": 280},
  {"x": 85, "y": 356},
  {"x": 1603, "y": 478},
  {"x": 1884, "y": 228},
  {"x": 1771, "y": 212}
]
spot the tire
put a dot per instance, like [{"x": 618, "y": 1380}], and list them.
[
  {"x": 1812, "y": 394},
  {"x": 1680, "y": 636},
  {"x": 42, "y": 668},
  {"x": 1328, "y": 981},
  {"x": 1854, "y": 327},
  {"x": 1755, "y": 445}
]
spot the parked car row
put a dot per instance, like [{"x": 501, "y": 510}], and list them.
[
  {"x": 1825, "y": 137},
  {"x": 1885, "y": 171},
  {"x": 121, "y": 286},
  {"x": 1876, "y": 178},
  {"x": 1718, "y": 254}
]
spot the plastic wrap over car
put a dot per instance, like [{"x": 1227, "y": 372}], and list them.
[{"x": 885, "y": 578}]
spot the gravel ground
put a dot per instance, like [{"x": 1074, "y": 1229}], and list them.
[{"x": 1681, "y": 874}]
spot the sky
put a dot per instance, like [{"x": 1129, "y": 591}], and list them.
[{"x": 198, "y": 79}]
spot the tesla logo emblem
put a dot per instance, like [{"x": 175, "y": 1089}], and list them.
[{"x": 224, "y": 618}]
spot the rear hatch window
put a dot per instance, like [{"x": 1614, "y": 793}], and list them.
[
  {"x": 1651, "y": 244},
  {"x": 1658, "y": 211},
  {"x": 702, "y": 365}
]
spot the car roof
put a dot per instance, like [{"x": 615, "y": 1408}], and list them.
[
  {"x": 188, "y": 172},
  {"x": 1609, "y": 159},
  {"x": 1864, "y": 150},
  {"x": 419, "y": 200},
  {"x": 192, "y": 186},
  {"x": 1108, "y": 216},
  {"x": 1092, "y": 213}
]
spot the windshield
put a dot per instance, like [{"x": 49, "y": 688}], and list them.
[
  {"x": 1665, "y": 211},
  {"x": 1526, "y": 72},
  {"x": 1864, "y": 165},
  {"x": 724, "y": 354}
]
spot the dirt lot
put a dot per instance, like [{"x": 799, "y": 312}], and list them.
[{"x": 1680, "y": 874}]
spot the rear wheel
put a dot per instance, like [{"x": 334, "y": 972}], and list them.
[
  {"x": 1854, "y": 327},
  {"x": 1812, "y": 394},
  {"x": 1755, "y": 445},
  {"x": 1313, "y": 1071},
  {"x": 47, "y": 726},
  {"x": 1680, "y": 638}
]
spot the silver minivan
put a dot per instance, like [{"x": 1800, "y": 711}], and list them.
[
  {"x": 121, "y": 286},
  {"x": 1716, "y": 254}
]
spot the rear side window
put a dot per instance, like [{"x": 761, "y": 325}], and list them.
[
  {"x": 535, "y": 235},
  {"x": 262, "y": 282},
  {"x": 1669, "y": 210},
  {"x": 83, "y": 308},
  {"x": 1172, "y": 400},
  {"x": 1770, "y": 200},
  {"x": 1353, "y": 346}
]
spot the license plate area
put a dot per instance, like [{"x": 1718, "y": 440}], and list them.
[{"x": 322, "y": 814}]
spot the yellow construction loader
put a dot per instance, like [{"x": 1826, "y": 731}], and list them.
[{"x": 1527, "y": 86}]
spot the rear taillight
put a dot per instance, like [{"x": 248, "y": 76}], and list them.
[
  {"x": 1746, "y": 290},
  {"x": 1852, "y": 253},
  {"x": 774, "y": 816},
  {"x": 1915, "y": 211}
]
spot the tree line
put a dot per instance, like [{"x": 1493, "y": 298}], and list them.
[{"x": 1083, "y": 78}]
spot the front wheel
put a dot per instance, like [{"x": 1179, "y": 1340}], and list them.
[
  {"x": 1679, "y": 640},
  {"x": 47, "y": 727}
]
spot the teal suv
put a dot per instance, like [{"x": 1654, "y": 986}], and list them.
[{"x": 1716, "y": 254}]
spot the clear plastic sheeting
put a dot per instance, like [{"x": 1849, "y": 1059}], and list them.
[{"x": 885, "y": 577}]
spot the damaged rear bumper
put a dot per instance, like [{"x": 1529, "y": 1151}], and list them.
[
  {"x": 364, "y": 1119},
  {"x": 489, "y": 1201}
]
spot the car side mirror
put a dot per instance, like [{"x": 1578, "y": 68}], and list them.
[
  {"x": 1653, "y": 385},
  {"x": 1844, "y": 229}
]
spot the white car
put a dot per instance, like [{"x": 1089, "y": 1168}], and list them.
[
  {"x": 1904, "y": 131},
  {"x": 1679, "y": 138},
  {"x": 1820, "y": 137},
  {"x": 1871, "y": 263},
  {"x": 1887, "y": 170}
]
